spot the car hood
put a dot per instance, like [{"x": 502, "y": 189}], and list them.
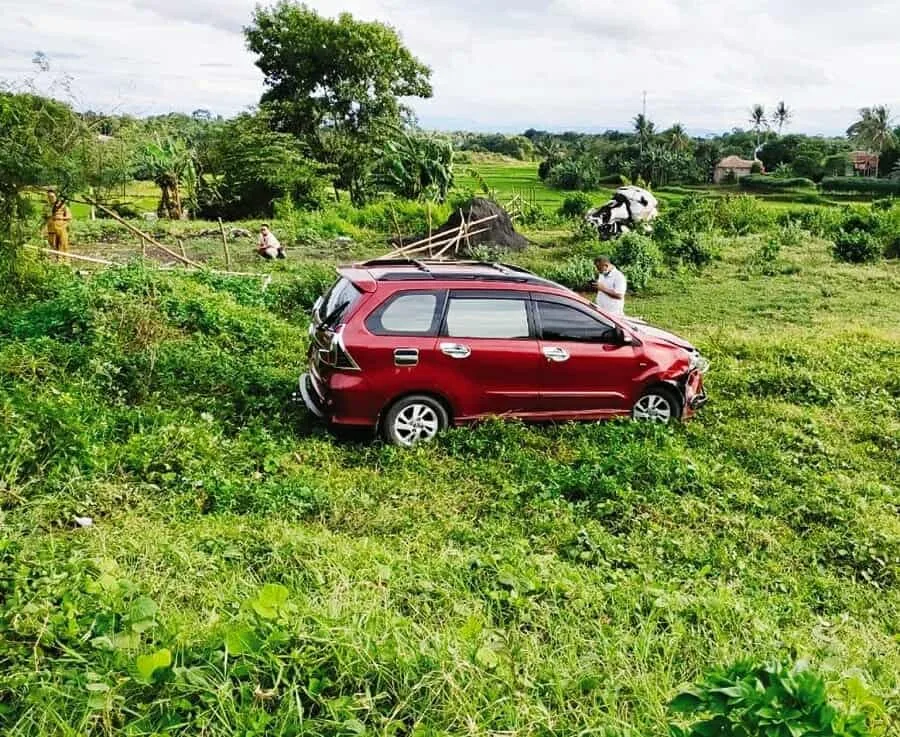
[{"x": 643, "y": 329}]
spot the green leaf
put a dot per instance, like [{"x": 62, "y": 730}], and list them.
[
  {"x": 270, "y": 600},
  {"x": 242, "y": 640},
  {"x": 487, "y": 658},
  {"x": 147, "y": 665},
  {"x": 686, "y": 702}
]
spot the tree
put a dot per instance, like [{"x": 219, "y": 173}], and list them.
[
  {"x": 643, "y": 128},
  {"x": 337, "y": 84},
  {"x": 873, "y": 130},
  {"x": 170, "y": 163},
  {"x": 247, "y": 168},
  {"x": 782, "y": 115},
  {"x": 759, "y": 121},
  {"x": 42, "y": 144},
  {"x": 415, "y": 165},
  {"x": 677, "y": 137}
]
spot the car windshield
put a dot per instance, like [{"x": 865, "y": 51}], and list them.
[{"x": 337, "y": 302}]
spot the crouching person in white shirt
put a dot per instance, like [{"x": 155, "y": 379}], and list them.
[
  {"x": 268, "y": 246},
  {"x": 611, "y": 287}
]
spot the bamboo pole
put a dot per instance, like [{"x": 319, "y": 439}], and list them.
[
  {"x": 437, "y": 243},
  {"x": 181, "y": 248},
  {"x": 72, "y": 255},
  {"x": 145, "y": 237},
  {"x": 225, "y": 245},
  {"x": 440, "y": 235}
]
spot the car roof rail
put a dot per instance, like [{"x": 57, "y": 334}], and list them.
[{"x": 421, "y": 265}]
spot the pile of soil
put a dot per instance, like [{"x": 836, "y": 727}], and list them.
[{"x": 499, "y": 231}]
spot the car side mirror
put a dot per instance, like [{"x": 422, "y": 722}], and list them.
[{"x": 615, "y": 336}]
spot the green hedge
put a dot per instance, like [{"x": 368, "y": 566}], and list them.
[
  {"x": 862, "y": 185},
  {"x": 763, "y": 183}
]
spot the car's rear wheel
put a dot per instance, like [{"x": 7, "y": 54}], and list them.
[
  {"x": 657, "y": 404},
  {"x": 414, "y": 419}
]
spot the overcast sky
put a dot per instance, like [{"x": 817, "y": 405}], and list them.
[{"x": 504, "y": 66}]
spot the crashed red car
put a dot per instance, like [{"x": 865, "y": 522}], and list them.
[{"x": 411, "y": 347}]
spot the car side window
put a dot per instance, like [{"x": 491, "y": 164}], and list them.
[
  {"x": 407, "y": 313},
  {"x": 485, "y": 317},
  {"x": 562, "y": 322}
]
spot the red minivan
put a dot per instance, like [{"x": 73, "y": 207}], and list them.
[{"x": 411, "y": 347}]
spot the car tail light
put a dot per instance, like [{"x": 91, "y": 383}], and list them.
[{"x": 336, "y": 354}]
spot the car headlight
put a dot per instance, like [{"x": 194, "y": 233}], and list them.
[{"x": 699, "y": 363}]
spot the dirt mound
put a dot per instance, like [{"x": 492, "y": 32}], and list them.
[{"x": 488, "y": 223}]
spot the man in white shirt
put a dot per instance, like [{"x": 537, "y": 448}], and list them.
[
  {"x": 611, "y": 287},
  {"x": 268, "y": 246}
]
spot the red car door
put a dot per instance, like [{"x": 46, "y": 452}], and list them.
[
  {"x": 586, "y": 368},
  {"x": 490, "y": 353}
]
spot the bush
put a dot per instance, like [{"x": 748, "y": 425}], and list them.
[
  {"x": 763, "y": 183},
  {"x": 820, "y": 221},
  {"x": 860, "y": 185},
  {"x": 856, "y": 247},
  {"x": 741, "y": 215},
  {"x": 575, "y": 205},
  {"x": 575, "y": 273},
  {"x": 748, "y": 699},
  {"x": 688, "y": 249},
  {"x": 638, "y": 257}
]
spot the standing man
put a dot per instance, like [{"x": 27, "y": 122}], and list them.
[
  {"x": 611, "y": 287},
  {"x": 58, "y": 223},
  {"x": 268, "y": 246}
]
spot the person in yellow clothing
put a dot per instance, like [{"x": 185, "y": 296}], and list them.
[{"x": 58, "y": 223}]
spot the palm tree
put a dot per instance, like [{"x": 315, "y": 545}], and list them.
[
  {"x": 873, "y": 130},
  {"x": 782, "y": 115},
  {"x": 677, "y": 137},
  {"x": 643, "y": 128},
  {"x": 759, "y": 121}
]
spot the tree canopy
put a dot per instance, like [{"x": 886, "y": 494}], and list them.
[{"x": 338, "y": 84}]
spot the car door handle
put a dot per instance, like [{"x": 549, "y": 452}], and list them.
[
  {"x": 556, "y": 354},
  {"x": 456, "y": 350},
  {"x": 406, "y": 357}
]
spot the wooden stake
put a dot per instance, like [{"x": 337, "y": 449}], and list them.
[
  {"x": 225, "y": 245},
  {"x": 181, "y": 248}
]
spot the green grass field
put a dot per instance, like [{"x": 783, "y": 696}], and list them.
[{"x": 247, "y": 573}]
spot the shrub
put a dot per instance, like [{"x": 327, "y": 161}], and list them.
[
  {"x": 688, "y": 249},
  {"x": 638, "y": 257},
  {"x": 575, "y": 273},
  {"x": 860, "y": 185},
  {"x": 742, "y": 214},
  {"x": 748, "y": 699},
  {"x": 764, "y": 183},
  {"x": 820, "y": 221},
  {"x": 764, "y": 258},
  {"x": 856, "y": 247},
  {"x": 575, "y": 205}
]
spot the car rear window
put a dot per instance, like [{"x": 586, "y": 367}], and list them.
[
  {"x": 338, "y": 301},
  {"x": 487, "y": 318},
  {"x": 407, "y": 313}
]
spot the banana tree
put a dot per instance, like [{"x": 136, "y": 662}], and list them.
[
  {"x": 415, "y": 165},
  {"x": 170, "y": 163}
]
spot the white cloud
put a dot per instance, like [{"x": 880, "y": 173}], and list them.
[{"x": 557, "y": 64}]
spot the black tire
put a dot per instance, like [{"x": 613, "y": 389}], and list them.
[
  {"x": 414, "y": 419},
  {"x": 657, "y": 404}
]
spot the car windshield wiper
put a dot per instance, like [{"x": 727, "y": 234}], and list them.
[{"x": 334, "y": 314}]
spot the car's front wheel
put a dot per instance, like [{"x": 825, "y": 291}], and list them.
[
  {"x": 657, "y": 404},
  {"x": 414, "y": 419}
]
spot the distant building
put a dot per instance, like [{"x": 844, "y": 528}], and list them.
[
  {"x": 863, "y": 164},
  {"x": 733, "y": 165}
]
